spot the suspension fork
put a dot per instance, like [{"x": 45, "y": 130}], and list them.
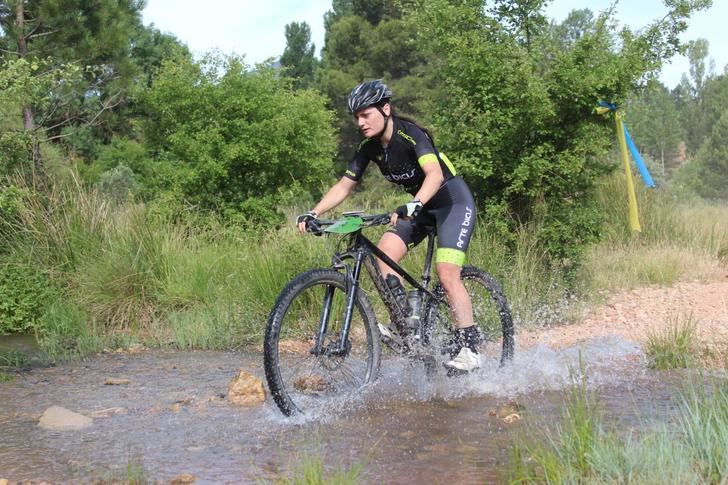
[{"x": 352, "y": 284}]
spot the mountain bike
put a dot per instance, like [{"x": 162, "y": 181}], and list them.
[{"x": 322, "y": 338}]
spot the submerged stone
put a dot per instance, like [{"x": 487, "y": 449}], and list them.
[{"x": 61, "y": 419}]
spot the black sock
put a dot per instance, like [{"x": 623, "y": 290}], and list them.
[{"x": 470, "y": 337}]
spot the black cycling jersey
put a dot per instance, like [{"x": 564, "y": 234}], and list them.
[
  {"x": 401, "y": 161},
  {"x": 451, "y": 209}
]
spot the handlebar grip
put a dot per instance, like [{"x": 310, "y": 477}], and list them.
[{"x": 313, "y": 226}]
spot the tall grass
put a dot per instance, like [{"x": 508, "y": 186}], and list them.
[
  {"x": 675, "y": 347},
  {"x": 695, "y": 450},
  {"x": 680, "y": 239},
  {"x": 196, "y": 282}
]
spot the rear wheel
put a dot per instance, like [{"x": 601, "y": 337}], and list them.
[
  {"x": 298, "y": 379},
  {"x": 491, "y": 313}
]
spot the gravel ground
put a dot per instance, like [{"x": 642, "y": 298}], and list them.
[{"x": 634, "y": 314}]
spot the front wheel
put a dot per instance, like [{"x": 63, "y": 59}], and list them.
[
  {"x": 299, "y": 377},
  {"x": 491, "y": 312}
]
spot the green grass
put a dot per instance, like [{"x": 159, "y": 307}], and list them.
[
  {"x": 579, "y": 450},
  {"x": 675, "y": 347},
  {"x": 681, "y": 239},
  {"x": 311, "y": 470},
  {"x": 13, "y": 358},
  {"x": 133, "y": 272}
]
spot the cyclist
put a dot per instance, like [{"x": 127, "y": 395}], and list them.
[{"x": 406, "y": 155}]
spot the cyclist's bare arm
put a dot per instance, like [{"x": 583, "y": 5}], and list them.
[{"x": 335, "y": 196}]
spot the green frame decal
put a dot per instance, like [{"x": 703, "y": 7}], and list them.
[{"x": 346, "y": 225}]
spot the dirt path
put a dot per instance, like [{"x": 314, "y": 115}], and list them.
[{"x": 634, "y": 314}]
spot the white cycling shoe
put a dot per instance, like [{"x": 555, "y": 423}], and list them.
[{"x": 466, "y": 361}]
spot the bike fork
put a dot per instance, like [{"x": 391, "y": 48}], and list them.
[{"x": 352, "y": 280}]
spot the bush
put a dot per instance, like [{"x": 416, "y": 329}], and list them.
[
  {"x": 24, "y": 295},
  {"x": 118, "y": 184},
  {"x": 236, "y": 136}
]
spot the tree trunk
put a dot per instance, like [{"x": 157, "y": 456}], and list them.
[{"x": 28, "y": 115}]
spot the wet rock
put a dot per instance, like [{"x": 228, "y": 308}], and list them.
[
  {"x": 181, "y": 479},
  {"x": 3, "y": 481},
  {"x": 246, "y": 390},
  {"x": 511, "y": 407},
  {"x": 61, "y": 419},
  {"x": 310, "y": 384},
  {"x": 512, "y": 418},
  {"x": 113, "y": 381}
]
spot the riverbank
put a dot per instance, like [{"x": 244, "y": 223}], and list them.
[{"x": 639, "y": 313}]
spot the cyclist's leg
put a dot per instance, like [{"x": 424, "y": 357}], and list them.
[
  {"x": 457, "y": 295},
  {"x": 396, "y": 242},
  {"x": 455, "y": 223},
  {"x": 393, "y": 246}
]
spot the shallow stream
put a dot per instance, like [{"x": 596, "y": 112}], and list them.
[{"x": 171, "y": 417}]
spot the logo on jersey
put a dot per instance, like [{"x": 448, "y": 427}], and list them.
[
  {"x": 398, "y": 177},
  {"x": 465, "y": 227}
]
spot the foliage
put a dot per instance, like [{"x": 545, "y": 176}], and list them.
[
  {"x": 298, "y": 57},
  {"x": 24, "y": 296},
  {"x": 118, "y": 184},
  {"x": 655, "y": 124},
  {"x": 40, "y": 83},
  {"x": 521, "y": 130},
  {"x": 712, "y": 160},
  {"x": 232, "y": 134},
  {"x": 64, "y": 32}
]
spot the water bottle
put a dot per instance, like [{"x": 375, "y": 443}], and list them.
[
  {"x": 397, "y": 290},
  {"x": 414, "y": 301}
]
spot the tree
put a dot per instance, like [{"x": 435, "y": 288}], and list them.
[
  {"x": 232, "y": 140},
  {"x": 364, "y": 41},
  {"x": 655, "y": 123},
  {"x": 527, "y": 140},
  {"x": 712, "y": 160},
  {"x": 524, "y": 19},
  {"x": 65, "y": 31},
  {"x": 692, "y": 96},
  {"x": 298, "y": 56}
]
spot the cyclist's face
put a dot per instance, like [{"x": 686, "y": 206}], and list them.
[{"x": 370, "y": 120}]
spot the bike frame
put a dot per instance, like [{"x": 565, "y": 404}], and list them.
[{"x": 362, "y": 251}]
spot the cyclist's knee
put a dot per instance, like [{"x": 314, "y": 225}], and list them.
[
  {"x": 449, "y": 275},
  {"x": 394, "y": 247}
]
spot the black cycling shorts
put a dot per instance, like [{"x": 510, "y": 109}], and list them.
[{"x": 452, "y": 211}]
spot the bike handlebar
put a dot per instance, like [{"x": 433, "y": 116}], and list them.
[{"x": 316, "y": 226}]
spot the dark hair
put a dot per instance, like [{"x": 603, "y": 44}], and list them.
[{"x": 410, "y": 120}]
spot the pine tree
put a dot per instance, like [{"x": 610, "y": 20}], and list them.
[
  {"x": 298, "y": 57},
  {"x": 71, "y": 31}
]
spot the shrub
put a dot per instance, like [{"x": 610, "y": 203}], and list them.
[{"x": 24, "y": 295}]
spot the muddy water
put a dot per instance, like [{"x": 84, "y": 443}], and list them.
[{"x": 170, "y": 418}]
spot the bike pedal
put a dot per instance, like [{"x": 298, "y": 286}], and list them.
[{"x": 391, "y": 339}]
